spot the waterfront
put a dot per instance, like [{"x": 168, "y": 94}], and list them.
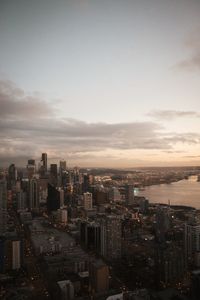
[{"x": 184, "y": 192}]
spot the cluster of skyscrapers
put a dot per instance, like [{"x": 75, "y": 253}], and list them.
[{"x": 91, "y": 237}]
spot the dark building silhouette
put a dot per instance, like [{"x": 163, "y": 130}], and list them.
[
  {"x": 54, "y": 173},
  {"x": 99, "y": 276},
  {"x": 33, "y": 194},
  {"x": 53, "y": 198},
  {"x": 12, "y": 176},
  {"x": 31, "y": 168},
  {"x": 43, "y": 168},
  {"x": 195, "y": 278},
  {"x": 90, "y": 235}
]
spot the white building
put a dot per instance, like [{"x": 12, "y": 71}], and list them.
[
  {"x": 87, "y": 201},
  {"x": 66, "y": 290}
]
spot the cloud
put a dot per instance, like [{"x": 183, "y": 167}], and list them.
[
  {"x": 173, "y": 114},
  {"x": 192, "y": 156},
  {"x": 189, "y": 138},
  {"x": 29, "y": 127},
  {"x": 192, "y": 62},
  {"x": 14, "y": 102}
]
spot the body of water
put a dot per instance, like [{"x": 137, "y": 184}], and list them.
[{"x": 184, "y": 192}]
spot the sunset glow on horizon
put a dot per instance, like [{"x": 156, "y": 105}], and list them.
[{"x": 100, "y": 83}]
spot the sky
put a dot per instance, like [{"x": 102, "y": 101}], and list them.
[{"x": 100, "y": 83}]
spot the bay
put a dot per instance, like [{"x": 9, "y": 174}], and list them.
[{"x": 184, "y": 192}]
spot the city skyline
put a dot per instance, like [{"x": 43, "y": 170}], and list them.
[{"x": 100, "y": 83}]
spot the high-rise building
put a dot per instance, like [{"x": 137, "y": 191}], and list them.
[
  {"x": 16, "y": 254},
  {"x": 43, "y": 168},
  {"x": 101, "y": 196},
  {"x": 162, "y": 224},
  {"x": 33, "y": 194},
  {"x": 114, "y": 194},
  {"x": 99, "y": 276},
  {"x": 13, "y": 250},
  {"x": 63, "y": 166},
  {"x": 53, "y": 173},
  {"x": 87, "y": 201},
  {"x": 12, "y": 176},
  {"x": 87, "y": 181},
  {"x": 62, "y": 216},
  {"x": 195, "y": 278},
  {"x": 3, "y": 206},
  {"x": 129, "y": 194},
  {"x": 2, "y": 253},
  {"x": 65, "y": 290},
  {"x": 191, "y": 240},
  {"x": 169, "y": 264},
  {"x": 111, "y": 233},
  {"x": 31, "y": 168},
  {"x": 53, "y": 198},
  {"x": 21, "y": 200},
  {"x": 90, "y": 235}
]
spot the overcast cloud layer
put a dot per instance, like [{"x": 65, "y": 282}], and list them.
[
  {"x": 30, "y": 126},
  {"x": 192, "y": 62}
]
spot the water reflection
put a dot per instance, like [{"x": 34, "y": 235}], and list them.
[{"x": 184, "y": 192}]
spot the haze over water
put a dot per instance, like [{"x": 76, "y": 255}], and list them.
[{"x": 184, "y": 192}]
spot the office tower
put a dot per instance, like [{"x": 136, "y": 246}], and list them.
[
  {"x": 78, "y": 178},
  {"x": 33, "y": 194},
  {"x": 44, "y": 161},
  {"x": 65, "y": 290},
  {"x": 169, "y": 264},
  {"x": 87, "y": 201},
  {"x": 53, "y": 170},
  {"x": 53, "y": 173},
  {"x": 16, "y": 255},
  {"x": 31, "y": 168},
  {"x": 13, "y": 254},
  {"x": 144, "y": 206},
  {"x": 162, "y": 224},
  {"x": 53, "y": 198},
  {"x": 63, "y": 166},
  {"x": 43, "y": 167},
  {"x": 101, "y": 197},
  {"x": 191, "y": 240},
  {"x": 62, "y": 197},
  {"x": 195, "y": 280},
  {"x": 2, "y": 253},
  {"x": 99, "y": 276},
  {"x": 90, "y": 235},
  {"x": 87, "y": 182},
  {"x": 3, "y": 206},
  {"x": 12, "y": 176},
  {"x": 18, "y": 186},
  {"x": 111, "y": 233},
  {"x": 21, "y": 200},
  {"x": 62, "y": 216},
  {"x": 114, "y": 194},
  {"x": 129, "y": 194}
]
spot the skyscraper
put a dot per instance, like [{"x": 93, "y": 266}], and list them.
[
  {"x": 99, "y": 276},
  {"x": 87, "y": 201},
  {"x": 63, "y": 166},
  {"x": 111, "y": 237},
  {"x": 43, "y": 168},
  {"x": 12, "y": 176},
  {"x": 53, "y": 198},
  {"x": 191, "y": 240},
  {"x": 33, "y": 194},
  {"x": 54, "y": 174},
  {"x": 31, "y": 168},
  {"x": 3, "y": 206},
  {"x": 129, "y": 194}
]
